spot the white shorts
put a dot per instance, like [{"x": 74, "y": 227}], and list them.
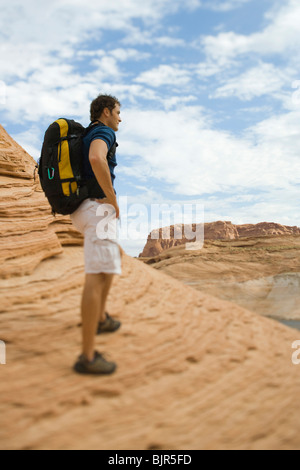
[{"x": 98, "y": 224}]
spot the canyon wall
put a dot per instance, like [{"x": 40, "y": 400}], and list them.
[{"x": 165, "y": 238}]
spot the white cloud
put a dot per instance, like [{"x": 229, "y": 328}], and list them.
[
  {"x": 280, "y": 36},
  {"x": 106, "y": 67},
  {"x": 137, "y": 36},
  {"x": 61, "y": 22},
  {"x": 279, "y": 137},
  {"x": 164, "y": 75},
  {"x": 73, "y": 19},
  {"x": 180, "y": 149},
  {"x": 278, "y": 206},
  {"x": 168, "y": 41},
  {"x": 224, "y": 5},
  {"x": 208, "y": 69},
  {"x": 40, "y": 99},
  {"x": 265, "y": 79},
  {"x": 34, "y": 101},
  {"x": 178, "y": 101},
  {"x": 42, "y": 49},
  {"x": 39, "y": 30},
  {"x": 123, "y": 55}
]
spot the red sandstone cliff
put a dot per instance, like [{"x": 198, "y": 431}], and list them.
[{"x": 157, "y": 242}]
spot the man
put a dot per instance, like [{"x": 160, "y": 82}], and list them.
[{"x": 101, "y": 250}]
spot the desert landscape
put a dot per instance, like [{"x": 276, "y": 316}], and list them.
[
  {"x": 255, "y": 266},
  {"x": 195, "y": 370}
]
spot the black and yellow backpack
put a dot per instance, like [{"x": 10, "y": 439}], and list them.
[{"x": 60, "y": 167}]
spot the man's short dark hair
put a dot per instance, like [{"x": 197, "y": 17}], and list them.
[{"x": 100, "y": 103}]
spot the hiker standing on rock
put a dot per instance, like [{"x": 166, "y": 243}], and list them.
[{"x": 101, "y": 249}]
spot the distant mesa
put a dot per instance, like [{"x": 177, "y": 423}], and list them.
[{"x": 221, "y": 230}]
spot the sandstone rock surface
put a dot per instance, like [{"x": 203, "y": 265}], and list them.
[
  {"x": 176, "y": 235},
  {"x": 28, "y": 231},
  {"x": 261, "y": 274},
  {"x": 194, "y": 372}
]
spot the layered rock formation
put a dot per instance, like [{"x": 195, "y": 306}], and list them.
[
  {"x": 194, "y": 372},
  {"x": 165, "y": 238},
  {"x": 28, "y": 231},
  {"x": 260, "y": 273}
]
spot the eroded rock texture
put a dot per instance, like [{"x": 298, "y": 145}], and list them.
[
  {"x": 28, "y": 231},
  {"x": 176, "y": 235},
  {"x": 194, "y": 372}
]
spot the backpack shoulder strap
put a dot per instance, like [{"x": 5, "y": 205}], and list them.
[{"x": 90, "y": 127}]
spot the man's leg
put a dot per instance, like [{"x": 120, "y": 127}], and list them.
[
  {"x": 90, "y": 307},
  {"x": 103, "y": 296}
]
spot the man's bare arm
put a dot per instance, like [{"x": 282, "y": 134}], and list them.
[{"x": 98, "y": 160}]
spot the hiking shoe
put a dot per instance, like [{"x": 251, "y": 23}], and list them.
[
  {"x": 109, "y": 325},
  {"x": 99, "y": 365}
]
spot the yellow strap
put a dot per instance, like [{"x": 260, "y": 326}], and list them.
[{"x": 64, "y": 165}]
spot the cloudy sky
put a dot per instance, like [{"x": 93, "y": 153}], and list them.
[{"x": 210, "y": 93}]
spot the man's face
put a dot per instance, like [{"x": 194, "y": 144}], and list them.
[{"x": 115, "y": 118}]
